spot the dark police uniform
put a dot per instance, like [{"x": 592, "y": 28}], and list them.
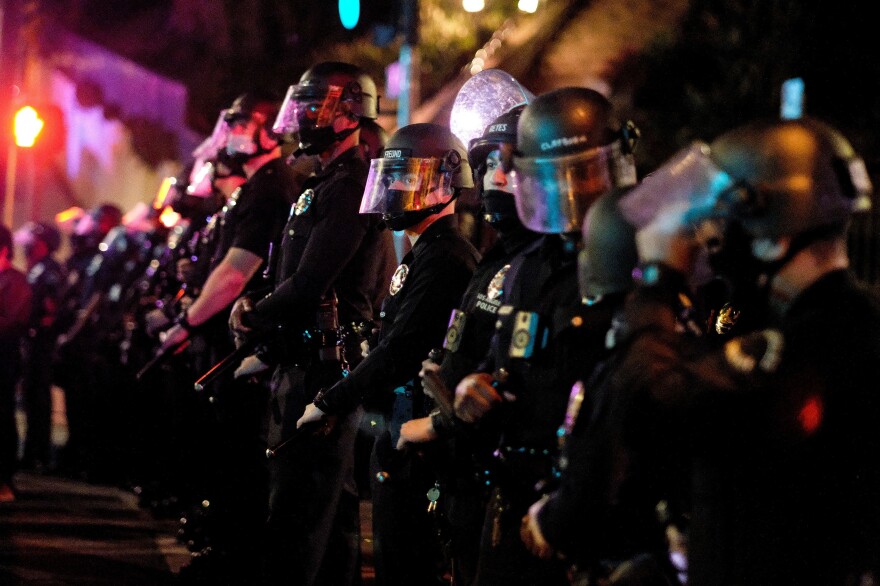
[
  {"x": 424, "y": 290},
  {"x": 46, "y": 279},
  {"x": 545, "y": 339},
  {"x": 467, "y": 342},
  {"x": 251, "y": 219},
  {"x": 326, "y": 272},
  {"x": 783, "y": 445},
  {"x": 620, "y": 458}
]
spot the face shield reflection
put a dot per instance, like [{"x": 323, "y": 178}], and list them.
[
  {"x": 553, "y": 195},
  {"x": 200, "y": 180},
  {"x": 217, "y": 140},
  {"x": 303, "y": 107},
  {"x": 690, "y": 181},
  {"x": 402, "y": 185}
]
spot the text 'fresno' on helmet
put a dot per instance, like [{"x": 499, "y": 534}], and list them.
[{"x": 418, "y": 162}]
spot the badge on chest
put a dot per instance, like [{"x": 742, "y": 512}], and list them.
[
  {"x": 398, "y": 279},
  {"x": 304, "y": 202}
]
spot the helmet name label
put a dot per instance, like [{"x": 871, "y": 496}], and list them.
[{"x": 564, "y": 141}]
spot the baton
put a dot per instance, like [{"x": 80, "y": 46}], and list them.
[
  {"x": 160, "y": 355},
  {"x": 231, "y": 359},
  {"x": 310, "y": 427}
]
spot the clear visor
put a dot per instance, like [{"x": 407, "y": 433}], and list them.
[
  {"x": 200, "y": 180},
  {"x": 689, "y": 182},
  {"x": 403, "y": 185},
  {"x": 483, "y": 98},
  {"x": 553, "y": 194},
  {"x": 301, "y": 108},
  {"x": 217, "y": 140}
]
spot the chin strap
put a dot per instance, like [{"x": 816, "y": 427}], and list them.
[
  {"x": 798, "y": 243},
  {"x": 414, "y": 217},
  {"x": 307, "y": 147}
]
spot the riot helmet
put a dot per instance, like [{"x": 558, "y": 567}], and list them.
[
  {"x": 248, "y": 108},
  {"x": 422, "y": 169},
  {"x": 324, "y": 92},
  {"x": 499, "y": 208},
  {"x": 33, "y": 232},
  {"x": 373, "y": 138},
  {"x": 790, "y": 177},
  {"x": 609, "y": 253},
  {"x": 569, "y": 152}
]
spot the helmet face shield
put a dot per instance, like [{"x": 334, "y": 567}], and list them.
[
  {"x": 217, "y": 140},
  {"x": 305, "y": 106},
  {"x": 689, "y": 182},
  {"x": 553, "y": 194},
  {"x": 403, "y": 185}
]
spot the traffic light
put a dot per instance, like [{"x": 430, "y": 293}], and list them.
[
  {"x": 349, "y": 13},
  {"x": 27, "y": 126},
  {"x": 39, "y": 127}
]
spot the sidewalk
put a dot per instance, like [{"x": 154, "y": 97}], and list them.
[
  {"x": 60, "y": 531},
  {"x": 66, "y": 532}
]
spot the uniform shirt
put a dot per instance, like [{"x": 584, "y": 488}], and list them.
[
  {"x": 15, "y": 304},
  {"x": 46, "y": 279},
  {"x": 254, "y": 215},
  {"x": 569, "y": 337},
  {"x": 783, "y": 444},
  {"x": 480, "y": 304},
  {"x": 327, "y": 244},
  {"x": 413, "y": 318}
]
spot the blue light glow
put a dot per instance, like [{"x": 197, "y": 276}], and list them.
[{"x": 349, "y": 13}]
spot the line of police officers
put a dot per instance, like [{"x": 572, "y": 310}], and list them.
[{"x": 575, "y": 404}]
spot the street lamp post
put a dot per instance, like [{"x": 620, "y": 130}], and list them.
[{"x": 409, "y": 62}]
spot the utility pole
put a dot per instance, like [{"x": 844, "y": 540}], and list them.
[{"x": 409, "y": 62}]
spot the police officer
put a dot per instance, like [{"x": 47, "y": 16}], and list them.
[
  {"x": 414, "y": 186},
  {"x": 602, "y": 516},
  {"x": 247, "y": 228},
  {"x": 40, "y": 241},
  {"x": 783, "y": 451},
  {"x": 77, "y": 356},
  {"x": 311, "y": 324},
  {"x": 15, "y": 300},
  {"x": 467, "y": 340},
  {"x": 569, "y": 152}
]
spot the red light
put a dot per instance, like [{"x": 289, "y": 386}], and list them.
[
  {"x": 27, "y": 127},
  {"x": 810, "y": 415}
]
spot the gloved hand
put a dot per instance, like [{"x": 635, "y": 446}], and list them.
[
  {"x": 676, "y": 242},
  {"x": 311, "y": 414},
  {"x": 241, "y": 306},
  {"x": 531, "y": 535},
  {"x": 416, "y": 431},
  {"x": 173, "y": 337},
  {"x": 250, "y": 366},
  {"x": 475, "y": 396},
  {"x": 155, "y": 321}
]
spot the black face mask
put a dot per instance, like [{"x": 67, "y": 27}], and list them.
[
  {"x": 314, "y": 141},
  {"x": 398, "y": 221},
  {"x": 500, "y": 209},
  {"x": 402, "y": 220}
]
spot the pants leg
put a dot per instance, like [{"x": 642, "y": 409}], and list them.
[{"x": 313, "y": 523}]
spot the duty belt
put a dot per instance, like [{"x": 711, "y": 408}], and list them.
[{"x": 524, "y": 470}]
